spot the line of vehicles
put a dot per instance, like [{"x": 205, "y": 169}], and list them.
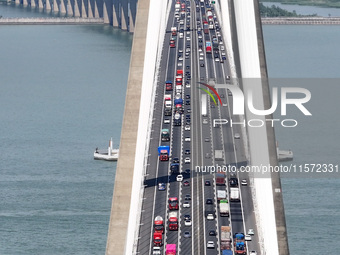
[{"x": 174, "y": 109}]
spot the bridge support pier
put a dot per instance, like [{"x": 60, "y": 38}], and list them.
[
  {"x": 69, "y": 9},
  {"x": 115, "y": 13}
]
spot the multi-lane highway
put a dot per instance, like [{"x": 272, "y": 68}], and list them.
[{"x": 194, "y": 142}]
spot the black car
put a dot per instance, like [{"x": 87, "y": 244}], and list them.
[
  {"x": 187, "y": 67},
  {"x": 189, "y": 110},
  {"x": 187, "y": 217},
  {"x": 209, "y": 201},
  {"x": 187, "y": 152},
  {"x": 187, "y": 171},
  {"x": 202, "y": 65},
  {"x": 187, "y": 96},
  {"x": 188, "y": 117},
  {"x": 207, "y": 183},
  {"x": 187, "y": 197},
  {"x": 175, "y": 160},
  {"x": 233, "y": 182},
  {"x": 212, "y": 233},
  {"x": 187, "y": 102}
]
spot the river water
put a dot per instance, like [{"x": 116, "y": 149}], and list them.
[{"x": 62, "y": 95}]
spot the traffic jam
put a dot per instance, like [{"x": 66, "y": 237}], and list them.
[{"x": 194, "y": 43}]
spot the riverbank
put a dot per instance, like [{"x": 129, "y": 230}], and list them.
[
  {"x": 319, "y": 3},
  {"x": 301, "y": 21},
  {"x": 50, "y": 21}
]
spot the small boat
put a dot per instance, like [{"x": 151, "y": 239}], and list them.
[
  {"x": 284, "y": 155},
  {"x": 110, "y": 154}
]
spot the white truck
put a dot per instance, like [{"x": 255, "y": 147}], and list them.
[
  {"x": 173, "y": 31},
  {"x": 234, "y": 194},
  {"x": 167, "y": 101},
  {"x": 204, "y": 102},
  {"x": 224, "y": 208},
  {"x": 221, "y": 194},
  {"x": 178, "y": 89}
]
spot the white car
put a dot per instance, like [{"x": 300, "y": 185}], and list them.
[
  {"x": 156, "y": 250},
  {"x": 187, "y": 160},
  {"x": 201, "y": 58},
  {"x": 180, "y": 63},
  {"x": 187, "y": 222},
  {"x": 186, "y": 204},
  {"x": 188, "y": 38},
  {"x": 187, "y": 128},
  {"x": 187, "y": 85},
  {"x": 244, "y": 182},
  {"x": 179, "y": 178},
  {"x": 251, "y": 232},
  {"x": 253, "y": 253},
  {"x": 247, "y": 237},
  {"x": 211, "y": 245},
  {"x": 187, "y": 139},
  {"x": 166, "y": 121},
  {"x": 180, "y": 59},
  {"x": 237, "y": 136},
  {"x": 180, "y": 51}
]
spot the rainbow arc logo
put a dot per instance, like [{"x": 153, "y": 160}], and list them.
[{"x": 209, "y": 93}]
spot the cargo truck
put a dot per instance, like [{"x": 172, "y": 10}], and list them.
[
  {"x": 227, "y": 252},
  {"x": 177, "y": 119},
  {"x": 234, "y": 194},
  {"x": 179, "y": 89},
  {"x": 165, "y": 137},
  {"x": 168, "y": 85},
  {"x": 163, "y": 153},
  {"x": 159, "y": 224},
  {"x": 225, "y": 238},
  {"x": 221, "y": 194},
  {"x": 170, "y": 249},
  {"x": 204, "y": 103},
  {"x": 205, "y": 27},
  {"x": 167, "y": 101},
  {"x": 179, "y": 80},
  {"x": 220, "y": 178},
  {"x": 224, "y": 208},
  {"x": 173, "y": 31},
  {"x": 157, "y": 239},
  {"x": 173, "y": 203},
  {"x": 239, "y": 244},
  {"x": 179, "y": 73},
  {"x": 208, "y": 47},
  {"x": 173, "y": 221}
]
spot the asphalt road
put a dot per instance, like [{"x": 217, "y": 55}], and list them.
[{"x": 205, "y": 139}]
